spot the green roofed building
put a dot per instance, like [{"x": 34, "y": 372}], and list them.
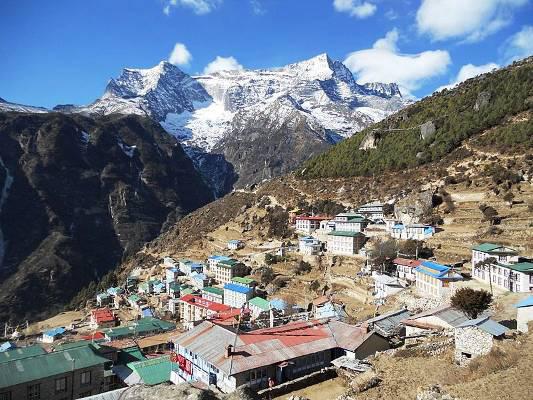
[
  {"x": 143, "y": 327},
  {"x": 212, "y": 293},
  {"x": 72, "y": 373},
  {"x": 257, "y": 305},
  {"x": 346, "y": 243},
  {"x": 149, "y": 372},
  {"x": 248, "y": 282},
  {"x": 21, "y": 352},
  {"x": 501, "y": 266}
]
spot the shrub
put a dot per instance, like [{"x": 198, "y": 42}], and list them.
[
  {"x": 472, "y": 302},
  {"x": 302, "y": 268}
]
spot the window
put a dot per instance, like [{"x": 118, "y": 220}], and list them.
[
  {"x": 5, "y": 396},
  {"x": 86, "y": 378},
  {"x": 34, "y": 392},
  {"x": 61, "y": 385}
]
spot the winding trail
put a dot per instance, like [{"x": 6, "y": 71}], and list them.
[{"x": 3, "y": 198}]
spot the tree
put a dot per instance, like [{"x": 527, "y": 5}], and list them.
[
  {"x": 267, "y": 275},
  {"x": 302, "y": 268},
  {"x": 486, "y": 265},
  {"x": 471, "y": 302}
]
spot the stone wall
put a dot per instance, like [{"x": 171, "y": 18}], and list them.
[{"x": 471, "y": 340}]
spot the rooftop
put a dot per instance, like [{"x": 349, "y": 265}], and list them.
[
  {"x": 261, "y": 303},
  {"x": 407, "y": 262},
  {"x": 213, "y": 290},
  {"x": 21, "y": 352},
  {"x": 237, "y": 288},
  {"x": 493, "y": 248},
  {"x": 527, "y": 302},
  {"x": 313, "y": 217},
  {"x": 197, "y": 301},
  {"x": 487, "y": 325},
  {"x": 140, "y": 327},
  {"x": 153, "y": 371},
  {"x": 445, "y": 313},
  {"x": 345, "y": 233},
  {"x": 243, "y": 281},
  {"x": 217, "y": 257},
  {"x": 271, "y": 345},
  {"x": 519, "y": 267},
  {"x": 103, "y": 315},
  {"x": 29, "y": 369}
]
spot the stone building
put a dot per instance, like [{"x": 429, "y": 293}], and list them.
[{"x": 474, "y": 338}]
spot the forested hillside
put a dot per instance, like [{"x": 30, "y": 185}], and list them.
[{"x": 431, "y": 128}]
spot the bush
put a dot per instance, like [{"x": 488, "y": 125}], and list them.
[
  {"x": 302, "y": 268},
  {"x": 472, "y": 302},
  {"x": 278, "y": 222},
  {"x": 267, "y": 275}
]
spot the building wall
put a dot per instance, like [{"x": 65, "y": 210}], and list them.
[
  {"x": 236, "y": 299},
  {"x": 471, "y": 341},
  {"x": 523, "y": 316},
  {"x": 504, "y": 278},
  {"x": 48, "y": 385},
  {"x": 344, "y": 245},
  {"x": 372, "y": 345}
]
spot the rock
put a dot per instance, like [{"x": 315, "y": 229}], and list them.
[
  {"x": 370, "y": 141},
  {"x": 427, "y": 130},
  {"x": 482, "y": 100},
  {"x": 411, "y": 208},
  {"x": 433, "y": 392}
]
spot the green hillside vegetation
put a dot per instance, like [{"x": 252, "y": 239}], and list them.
[{"x": 458, "y": 114}]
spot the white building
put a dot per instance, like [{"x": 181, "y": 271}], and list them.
[
  {"x": 524, "y": 314},
  {"x": 405, "y": 269},
  {"x": 309, "y": 224},
  {"x": 169, "y": 262},
  {"x": 235, "y": 244},
  {"x": 348, "y": 222},
  {"x": 236, "y": 295},
  {"x": 385, "y": 285},
  {"x": 308, "y": 245},
  {"x": 199, "y": 280},
  {"x": 373, "y": 210},
  {"x": 508, "y": 272},
  {"x": 225, "y": 270},
  {"x": 435, "y": 280},
  {"x": 412, "y": 232},
  {"x": 345, "y": 243}
]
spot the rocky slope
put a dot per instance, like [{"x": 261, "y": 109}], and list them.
[
  {"x": 301, "y": 108},
  {"x": 77, "y": 195}
]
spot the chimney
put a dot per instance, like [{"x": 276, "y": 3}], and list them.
[{"x": 228, "y": 351}]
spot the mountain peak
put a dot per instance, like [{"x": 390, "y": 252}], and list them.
[{"x": 383, "y": 89}]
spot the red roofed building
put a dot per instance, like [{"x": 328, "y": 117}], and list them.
[
  {"x": 405, "y": 268},
  {"x": 193, "y": 309},
  {"x": 103, "y": 318},
  {"x": 212, "y": 354},
  {"x": 309, "y": 224}
]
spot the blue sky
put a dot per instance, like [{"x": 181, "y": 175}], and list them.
[{"x": 65, "y": 51}]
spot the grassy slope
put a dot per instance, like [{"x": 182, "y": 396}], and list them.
[{"x": 456, "y": 119}]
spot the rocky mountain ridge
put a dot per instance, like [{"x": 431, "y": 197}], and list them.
[
  {"x": 209, "y": 114},
  {"x": 77, "y": 195}
]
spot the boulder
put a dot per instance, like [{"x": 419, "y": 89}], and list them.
[
  {"x": 427, "y": 130},
  {"x": 483, "y": 99}
]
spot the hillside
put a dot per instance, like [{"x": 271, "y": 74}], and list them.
[
  {"x": 79, "y": 194},
  {"x": 428, "y": 130}
]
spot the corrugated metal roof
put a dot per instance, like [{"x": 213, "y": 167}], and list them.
[
  {"x": 446, "y": 313},
  {"x": 153, "y": 371},
  {"x": 271, "y": 345},
  {"x": 387, "y": 324},
  {"x": 49, "y": 364},
  {"x": 489, "y": 247},
  {"x": 111, "y": 395},
  {"x": 527, "y": 302},
  {"x": 260, "y": 303},
  {"x": 237, "y": 288},
  {"x": 21, "y": 352},
  {"x": 487, "y": 325}
]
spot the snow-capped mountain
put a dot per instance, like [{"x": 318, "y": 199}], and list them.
[
  {"x": 200, "y": 110},
  {"x": 211, "y": 113},
  {"x": 8, "y": 106}
]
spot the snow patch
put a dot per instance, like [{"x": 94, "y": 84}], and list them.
[{"x": 128, "y": 150}]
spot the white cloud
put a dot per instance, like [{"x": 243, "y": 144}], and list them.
[
  {"x": 356, "y": 8},
  {"x": 222, "y": 64},
  {"x": 519, "y": 45},
  {"x": 471, "y": 20},
  {"x": 199, "y": 7},
  {"x": 469, "y": 71},
  {"x": 384, "y": 63},
  {"x": 257, "y": 7},
  {"x": 180, "y": 55}
]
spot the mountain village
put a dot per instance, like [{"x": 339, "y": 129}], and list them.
[{"x": 217, "y": 323}]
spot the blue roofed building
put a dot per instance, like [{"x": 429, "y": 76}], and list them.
[
  {"x": 52, "y": 335},
  {"x": 236, "y": 295},
  {"x": 524, "y": 314},
  {"x": 435, "y": 280}
]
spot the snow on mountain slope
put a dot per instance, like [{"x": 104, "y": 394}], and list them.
[
  {"x": 7, "y": 106},
  {"x": 201, "y": 110}
]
